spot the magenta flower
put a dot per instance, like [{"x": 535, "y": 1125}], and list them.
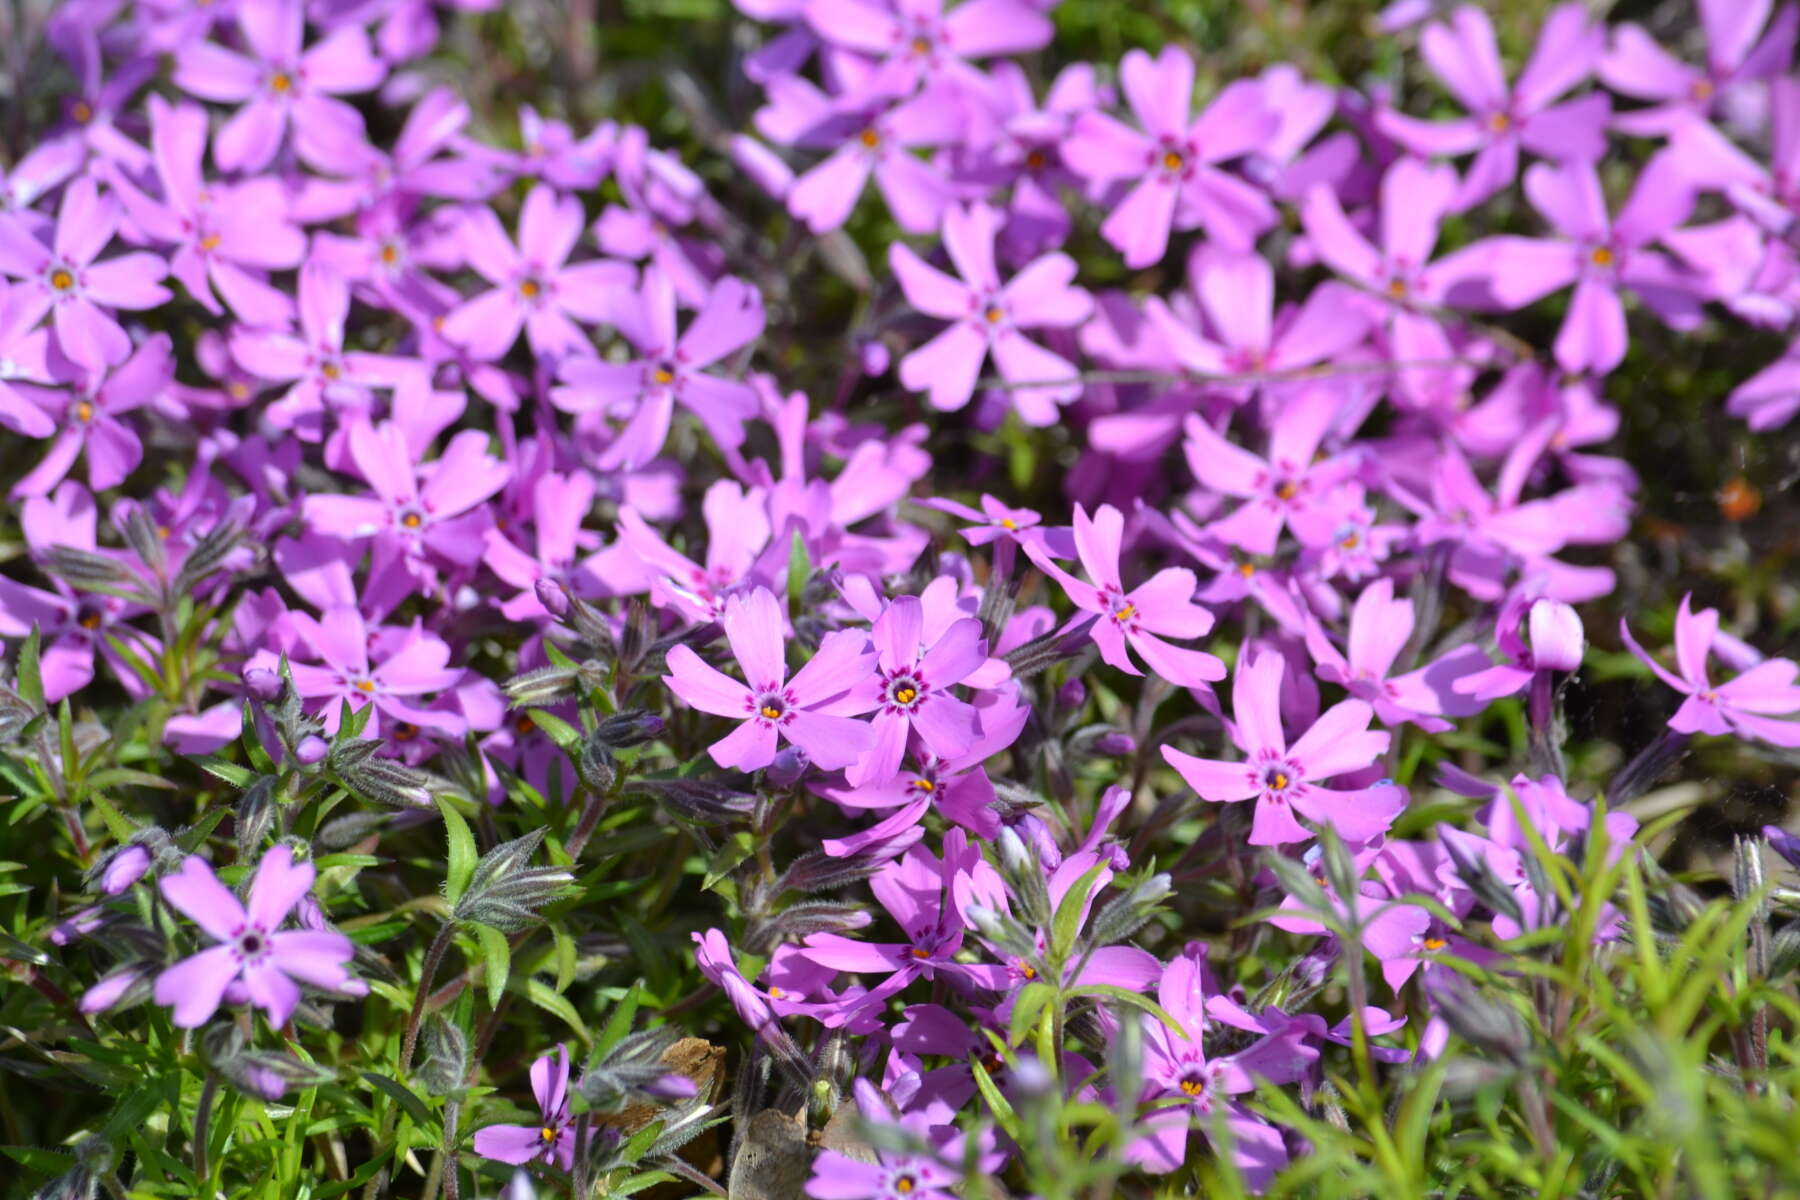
[
  {"x": 1244, "y": 333},
  {"x": 279, "y": 84},
  {"x": 1162, "y": 606},
  {"x": 1176, "y": 1066},
  {"x": 1288, "y": 488},
  {"x": 93, "y": 417},
  {"x": 64, "y": 280},
  {"x": 911, "y": 688},
  {"x": 1770, "y": 397},
  {"x": 1173, "y": 159},
  {"x": 224, "y": 236},
  {"x": 878, "y": 142},
  {"x": 360, "y": 669},
  {"x": 917, "y": 41},
  {"x": 807, "y": 710},
  {"x": 1284, "y": 779},
  {"x": 1599, "y": 255},
  {"x": 1379, "y": 628},
  {"x": 423, "y": 510},
  {"x": 988, "y": 318},
  {"x": 1748, "y": 706},
  {"x": 739, "y": 554},
  {"x": 552, "y": 1139},
  {"x": 322, "y": 375},
  {"x": 1464, "y": 57},
  {"x": 256, "y": 961},
  {"x": 1554, "y": 643},
  {"x": 671, "y": 369},
  {"x": 1636, "y": 66},
  {"x": 535, "y": 286}
]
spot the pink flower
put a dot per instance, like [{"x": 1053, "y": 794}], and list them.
[
  {"x": 988, "y": 318},
  {"x": 94, "y": 417},
  {"x": 1284, "y": 779},
  {"x": 1748, "y": 706},
  {"x": 1163, "y": 605},
  {"x": 552, "y": 1139},
  {"x": 534, "y": 284},
  {"x": 806, "y": 710},
  {"x": 256, "y": 961},
  {"x": 64, "y": 280},
  {"x": 279, "y": 83},
  {"x": 1464, "y": 57},
  {"x": 1286, "y": 489},
  {"x": 1173, "y": 159},
  {"x": 911, "y": 688},
  {"x": 671, "y": 369}
]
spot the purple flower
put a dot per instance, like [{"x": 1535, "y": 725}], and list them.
[
  {"x": 322, "y": 375},
  {"x": 916, "y": 41},
  {"x": 1463, "y": 56},
  {"x": 279, "y": 83},
  {"x": 1284, "y": 779},
  {"x": 877, "y": 141},
  {"x": 807, "y": 710},
  {"x": 672, "y": 368},
  {"x": 1162, "y": 606},
  {"x": 1599, "y": 255},
  {"x": 988, "y": 318},
  {"x": 893, "y": 1175},
  {"x": 535, "y": 286},
  {"x": 93, "y": 417},
  {"x": 1554, "y": 644},
  {"x": 1289, "y": 488},
  {"x": 256, "y": 961},
  {"x": 1379, "y": 628},
  {"x": 225, "y": 237},
  {"x": 1636, "y": 66},
  {"x": 1748, "y": 706},
  {"x": 916, "y": 667},
  {"x": 1173, "y": 159},
  {"x": 360, "y": 669},
  {"x": 552, "y": 1139},
  {"x": 64, "y": 280},
  {"x": 739, "y": 554},
  {"x": 1176, "y": 1066}
]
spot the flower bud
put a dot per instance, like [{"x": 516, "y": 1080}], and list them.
[
  {"x": 789, "y": 765},
  {"x": 1115, "y": 744},
  {"x": 554, "y": 597},
  {"x": 540, "y": 687},
  {"x": 633, "y": 727},
  {"x": 445, "y": 1061},
  {"x": 124, "y": 867},
  {"x": 263, "y": 683},
  {"x": 1071, "y": 696},
  {"x": 1130, "y": 912},
  {"x": 311, "y": 750},
  {"x": 1024, "y": 877},
  {"x": 1556, "y": 636},
  {"x": 506, "y": 893}
]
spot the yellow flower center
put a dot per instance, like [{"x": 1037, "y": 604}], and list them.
[
  {"x": 663, "y": 376},
  {"x": 210, "y": 242},
  {"x": 281, "y": 81},
  {"x": 412, "y": 520},
  {"x": 529, "y": 288},
  {"x": 1434, "y": 943},
  {"x": 89, "y": 620},
  {"x": 1703, "y": 89},
  {"x": 83, "y": 112},
  {"x": 869, "y": 138},
  {"x": 365, "y": 685},
  {"x": 1601, "y": 257},
  {"x": 925, "y": 785},
  {"x": 331, "y": 370},
  {"x": 1008, "y": 523},
  {"x": 903, "y": 1185},
  {"x": 775, "y": 993},
  {"x": 1193, "y": 1087},
  {"x": 84, "y": 411},
  {"x": 920, "y": 952},
  {"x": 906, "y": 695},
  {"x": 993, "y": 314},
  {"x": 405, "y": 732},
  {"x": 524, "y": 725},
  {"x": 1279, "y": 781},
  {"x": 1499, "y": 122},
  {"x": 771, "y": 712},
  {"x": 548, "y": 1134},
  {"x": 1172, "y": 160},
  {"x": 62, "y": 279},
  {"x": 921, "y": 46},
  {"x": 1351, "y": 541},
  {"x": 1246, "y": 569},
  {"x": 1288, "y": 489},
  {"x": 1027, "y": 970},
  {"x": 1036, "y": 160},
  {"x": 1124, "y": 614},
  {"x": 390, "y": 255},
  {"x": 1397, "y": 288}
]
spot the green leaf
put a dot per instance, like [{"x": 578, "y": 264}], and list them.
[
  {"x": 1124, "y": 996},
  {"x": 11, "y": 947},
  {"x": 1031, "y": 1001},
  {"x": 402, "y": 1095},
  {"x": 799, "y": 569},
  {"x": 234, "y": 774},
  {"x": 565, "y": 735},
  {"x": 496, "y": 951},
  {"x": 116, "y": 822},
  {"x": 551, "y": 1001},
  {"x": 462, "y": 851},
  {"x": 1002, "y": 1110},
  {"x": 1065, "y": 926},
  {"x": 30, "y": 674},
  {"x": 727, "y": 857}
]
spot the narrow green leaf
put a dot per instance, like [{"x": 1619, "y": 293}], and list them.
[
  {"x": 1065, "y": 926},
  {"x": 30, "y": 674},
  {"x": 402, "y": 1095},
  {"x": 497, "y": 953},
  {"x": 1030, "y": 1002},
  {"x": 997, "y": 1103},
  {"x": 462, "y": 851}
]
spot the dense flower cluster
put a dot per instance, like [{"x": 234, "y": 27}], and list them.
[{"x": 430, "y": 464}]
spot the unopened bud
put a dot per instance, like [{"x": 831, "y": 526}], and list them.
[
  {"x": 263, "y": 683},
  {"x": 1129, "y": 913},
  {"x": 311, "y": 750},
  {"x": 790, "y": 764},
  {"x": 1556, "y": 636},
  {"x": 554, "y": 597},
  {"x": 507, "y": 893}
]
